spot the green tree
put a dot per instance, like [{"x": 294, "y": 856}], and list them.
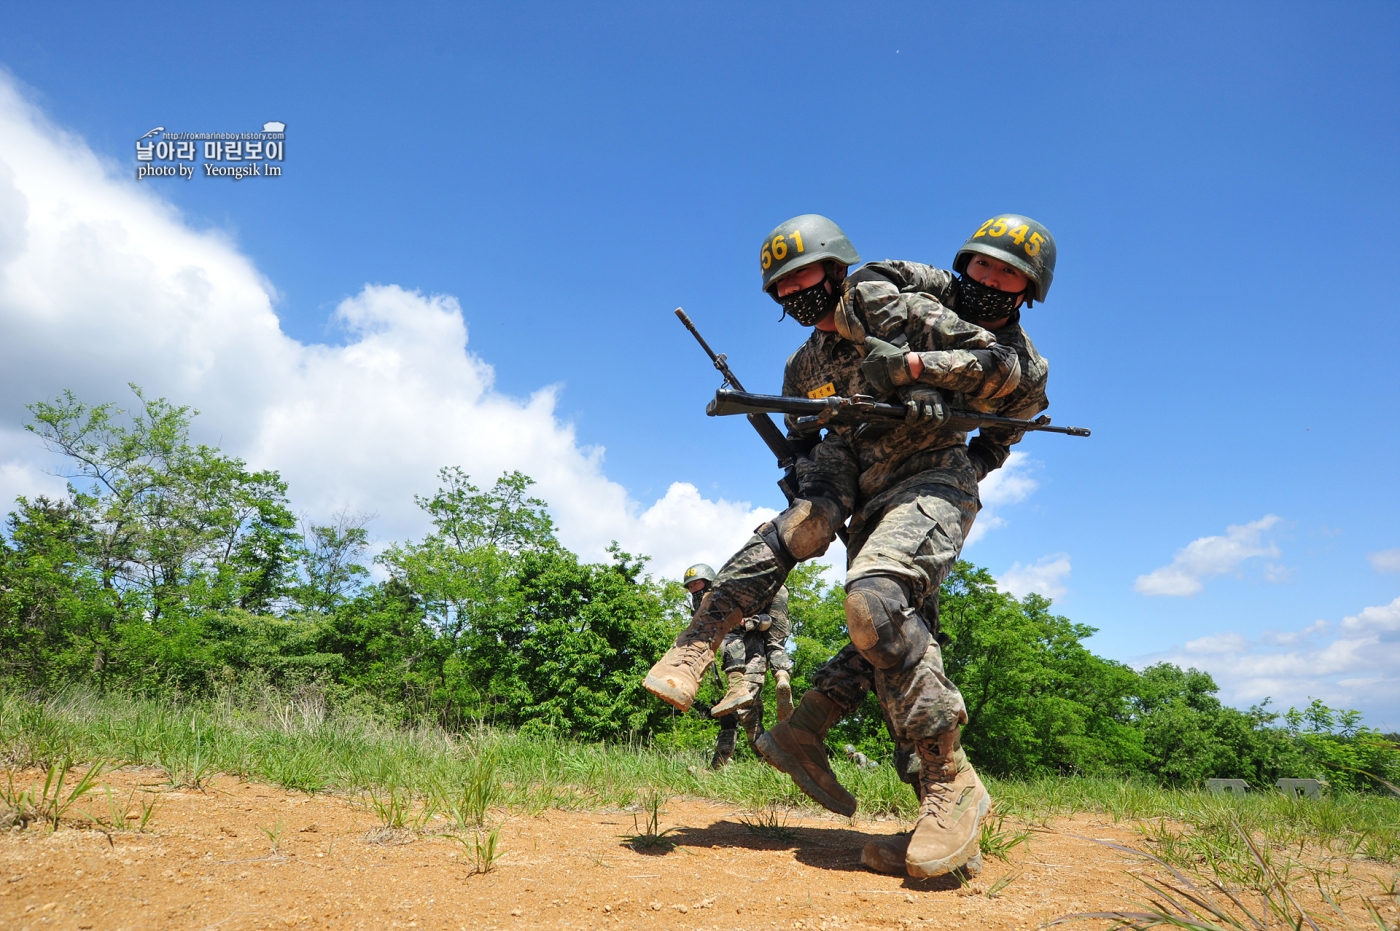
[
  {"x": 463, "y": 574},
  {"x": 330, "y": 562},
  {"x": 51, "y": 600},
  {"x": 1038, "y": 701},
  {"x": 170, "y": 531}
]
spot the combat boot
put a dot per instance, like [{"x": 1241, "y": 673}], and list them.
[
  {"x": 739, "y": 695},
  {"x": 676, "y": 678},
  {"x": 724, "y": 747},
  {"x": 953, "y": 804},
  {"x": 797, "y": 746},
  {"x": 784, "y": 693},
  {"x": 886, "y": 854}
]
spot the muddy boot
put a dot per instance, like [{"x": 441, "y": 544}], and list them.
[
  {"x": 797, "y": 746},
  {"x": 951, "y": 812},
  {"x": 676, "y": 678},
  {"x": 724, "y": 746},
  {"x": 886, "y": 854},
  {"x": 784, "y": 693},
  {"x": 739, "y": 695}
]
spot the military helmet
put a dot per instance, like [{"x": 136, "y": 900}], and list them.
[
  {"x": 698, "y": 571},
  {"x": 800, "y": 242},
  {"x": 1019, "y": 242}
]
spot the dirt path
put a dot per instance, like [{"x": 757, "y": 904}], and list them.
[{"x": 207, "y": 863}]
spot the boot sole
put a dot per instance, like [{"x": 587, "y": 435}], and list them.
[
  {"x": 781, "y": 760},
  {"x": 784, "y": 697},
  {"x": 970, "y": 851},
  {"x": 676, "y": 698}
]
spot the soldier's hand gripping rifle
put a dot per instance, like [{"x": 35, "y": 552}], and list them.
[
  {"x": 768, "y": 431},
  {"x": 814, "y": 413}
]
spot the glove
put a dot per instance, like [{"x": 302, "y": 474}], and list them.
[
  {"x": 924, "y": 405},
  {"x": 886, "y": 366}
]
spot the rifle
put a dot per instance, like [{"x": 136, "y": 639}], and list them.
[
  {"x": 768, "y": 431},
  {"x": 815, "y": 413}
]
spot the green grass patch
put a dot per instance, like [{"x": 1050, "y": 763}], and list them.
[{"x": 407, "y": 776}]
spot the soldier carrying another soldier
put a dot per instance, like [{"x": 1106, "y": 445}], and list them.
[
  {"x": 1009, "y": 279},
  {"x": 910, "y": 492}
]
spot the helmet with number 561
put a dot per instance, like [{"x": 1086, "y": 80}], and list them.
[
  {"x": 1019, "y": 242},
  {"x": 800, "y": 242}
]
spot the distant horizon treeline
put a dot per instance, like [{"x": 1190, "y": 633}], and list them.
[{"x": 170, "y": 569}]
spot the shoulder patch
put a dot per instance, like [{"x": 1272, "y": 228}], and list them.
[{"x": 825, "y": 391}]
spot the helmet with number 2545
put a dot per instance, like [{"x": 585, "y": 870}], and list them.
[
  {"x": 1019, "y": 242},
  {"x": 800, "y": 242}
]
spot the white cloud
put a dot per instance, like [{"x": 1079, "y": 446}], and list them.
[
  {"x": 1385, "y": 560},
  {"x": 1218, "y": 643},
  {"x": 102, "y": 283},
  {"x": 1210, "y": 556},
  {"x": 1044, "y": 577},
  {"x": 1011, "y": 484},
  {"x": 1351, "y": 664}
]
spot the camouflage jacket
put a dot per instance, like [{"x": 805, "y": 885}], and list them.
[
  {"x": 894, "y": 301},
  {"x": 991, "y": 446}
]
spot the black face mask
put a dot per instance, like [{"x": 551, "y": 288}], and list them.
[
  {"x": 976, "y": 301},
  {"x": 810, "y": 304}
]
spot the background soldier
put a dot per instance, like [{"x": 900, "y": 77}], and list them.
[
  {"x": 749, "y": 651},
  {"x": 910, "y": 491}
]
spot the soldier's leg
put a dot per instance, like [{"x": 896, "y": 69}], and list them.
[
  {"x": 906, "y": 557},
  {"x": 735, "y": 653},
  {"x": 747, "y": 583},
  {"x": 750, "y": 718},
  {"x": 724, "y": 743},
  {"x": 797, "y": 746},
  {"x": 777, "y": 659},
  {"x": 744, "y": 586}
]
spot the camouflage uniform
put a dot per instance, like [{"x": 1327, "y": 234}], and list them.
[
  {"x": 910, "y": 490},
  {"x": 753, "y": 652},
  {"x": 847, "y": 677}
]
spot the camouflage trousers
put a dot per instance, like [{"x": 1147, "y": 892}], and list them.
[
  {"x": 749, "y": 717},
  {"x": 919, "y": 535},
  {"x": 914, "y": 532},
  {"x": 754, "y": 652}
]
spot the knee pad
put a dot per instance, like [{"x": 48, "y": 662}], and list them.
[
  {"x": 802, "y": 531},
  {"x": 883, "y": 627}
]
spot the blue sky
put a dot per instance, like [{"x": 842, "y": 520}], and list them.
[{"x": 1221, "y": 180}]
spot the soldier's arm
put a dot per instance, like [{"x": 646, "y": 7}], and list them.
[
  {"x": 991, "y": 447},
  {"x": 953, "y": 355},
  {"x": 913, "y": 276}
]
